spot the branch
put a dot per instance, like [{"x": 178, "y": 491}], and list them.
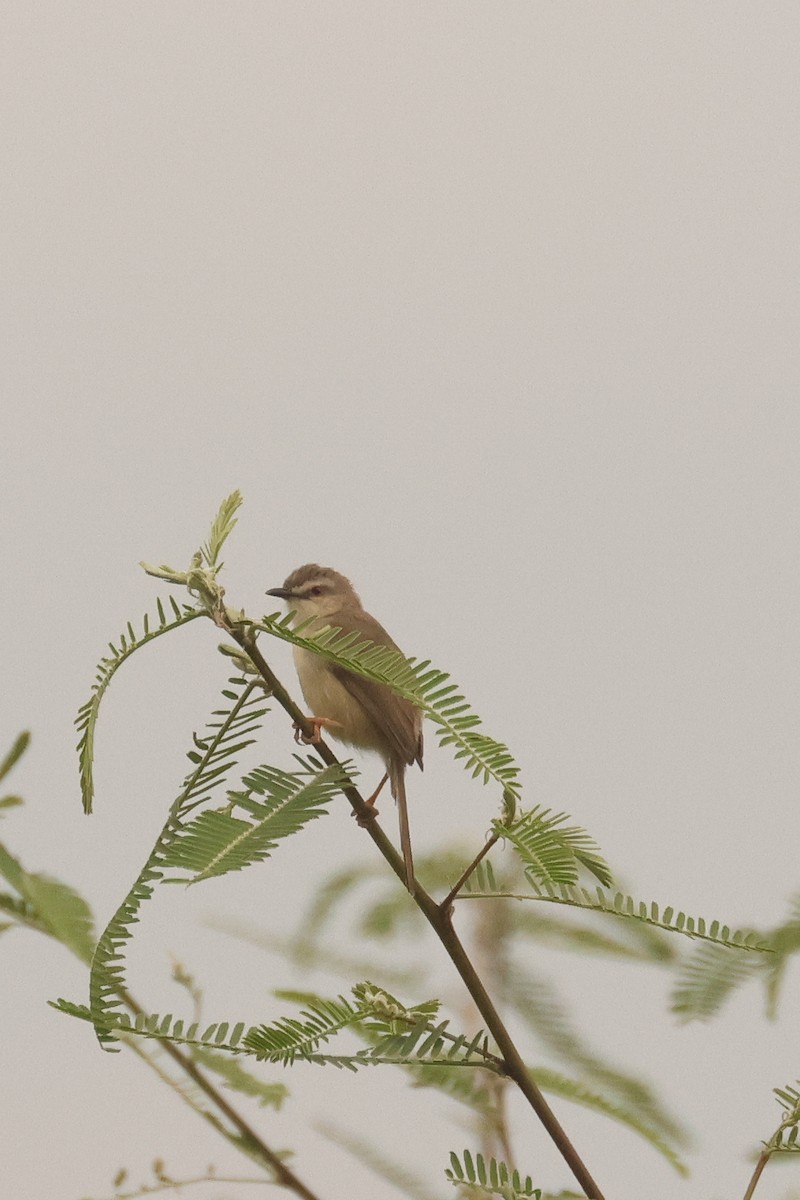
[
  {"x": 763, "y": 1159},
  {"x": 250, "y": 1140},
  {"x": 439, "y": 919}
]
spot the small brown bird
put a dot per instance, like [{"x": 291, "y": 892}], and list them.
[{"x": 359, "y": 712}]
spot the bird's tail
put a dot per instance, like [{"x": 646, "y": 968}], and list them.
[{"x": 397, "y": 779}]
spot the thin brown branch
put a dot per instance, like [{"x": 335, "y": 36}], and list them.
[
  {"x": 440, "y": 920},
  {"x": 249, "y": 1139},
  {"x": 451, "y": 895},
  {"x": 763, "y": 1159}
]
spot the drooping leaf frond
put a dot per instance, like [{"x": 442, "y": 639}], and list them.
[
  {"x": 222, "y": 526},
  {"x": 481, "y": 886},
  {"x": 216, "y": 841},
  {"x": 489, "y": 1178},
  {"x": 571, "y": 1089},
  {"x": 418, "y": 682},
  {"x": 551, "y": 851},
  {"x": 213, "y": 758},
  {"x": 127, "y": 643},
  {"x": 539, "y": 1006}
]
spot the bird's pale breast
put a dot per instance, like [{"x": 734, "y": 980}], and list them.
[{"x": 327, "y": 697}]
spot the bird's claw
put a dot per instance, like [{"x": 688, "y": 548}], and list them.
[{"x": 318, "y": 723}]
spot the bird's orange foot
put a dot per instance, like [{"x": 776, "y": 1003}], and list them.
[
  {"x": 318, "y": 724},
  {"x": 372, "y": 812}
]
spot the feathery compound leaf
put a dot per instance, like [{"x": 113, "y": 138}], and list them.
[
  {"x": 128, "y": 642},
  {"x": 223, "y": 525},
  {"x": 617, "y": 905},
  {"x": 786, "y": 1138},
  {"x": 553, "y": 853},
  {"x": 572, "y": 1089},
  {"x": 543, "y": 1011},
  {"x": 216, "y": 842},
  {"x": 418, "y": 682},
  {"x": 707, "y": 978},
  {"x": 212, "y": 760},
  {"x": 299, "y": 1037},
  {"x": 489, "y": 1178}
]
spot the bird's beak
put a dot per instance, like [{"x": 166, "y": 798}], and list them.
[{"x": 281, "y": 593}]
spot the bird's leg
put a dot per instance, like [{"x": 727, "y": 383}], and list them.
[
  {"x": 373, "y": 812},
  {"x": 318, "y": 723}
]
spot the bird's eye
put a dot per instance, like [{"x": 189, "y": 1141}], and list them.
[{"x": 316, "y": 591}]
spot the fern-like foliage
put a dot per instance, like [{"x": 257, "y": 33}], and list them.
[
  {"x": 552, "y": 852},
  {"x": 483, "y": 886},
  {"x": 212, "y": 759},
  {"x": 222, "y": 526},
  {"x": 491, "y": 1178},
  {"x": 127, "y": 644},
  {"x": 556, "y": 1084},
  {"x": 707, "y": 978},
  {"x": 398, "y": 1035},
  {"x": 292, "y": 1038},
  {"x": 543, "y": 1011},
  {"x": 216, "y": 841},
  {"x": 418, "y": 682},
  {"x": 786, "y": 1138}
]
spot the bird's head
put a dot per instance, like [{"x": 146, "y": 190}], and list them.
[{"x": 314, "y": 591}]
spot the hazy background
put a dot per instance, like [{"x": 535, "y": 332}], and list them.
[{"x": 494, "y": 307}]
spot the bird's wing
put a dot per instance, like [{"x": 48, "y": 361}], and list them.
[{"x": 397, "y": 717}]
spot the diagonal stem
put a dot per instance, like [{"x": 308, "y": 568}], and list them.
[
  {"x": 440, "y": 920},
  {"x": 763, "y": 1159},
  {"x": 249, "y": 1139},
  {"x": 451, "y": 895}
]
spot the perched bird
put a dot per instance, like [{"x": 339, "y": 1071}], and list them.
[{"x": 359, "y": 712}]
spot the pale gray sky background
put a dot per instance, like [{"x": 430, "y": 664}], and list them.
[{"x": 494, "y": 307}]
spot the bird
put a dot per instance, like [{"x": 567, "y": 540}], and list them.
[{"x": 358, "y": 711}]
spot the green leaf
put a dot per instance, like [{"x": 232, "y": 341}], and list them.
[
  {"x": 538, "y": 1004},
  {"x": 418, "y": 682},
  {"x": 15, "y": 754},
  {"x": 552, "y": 852},
  {"x": 291, "y": 1038},
  {"x": 51, "y": 906},
  {"x": 706, "y": 979},
  {"x": 480, "y": 886},
  {"x": 127, "y": 644},
  {"x": 227, "y": 735},
  {"x": 223, "y": 525},
  {"x": 489, "y": 1177},
  {"x": 216, "y": 842},
  {"x": 578, "y": 1093}
]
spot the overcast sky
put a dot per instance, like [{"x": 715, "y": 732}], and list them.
[{"x": 494, "y": 308}]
